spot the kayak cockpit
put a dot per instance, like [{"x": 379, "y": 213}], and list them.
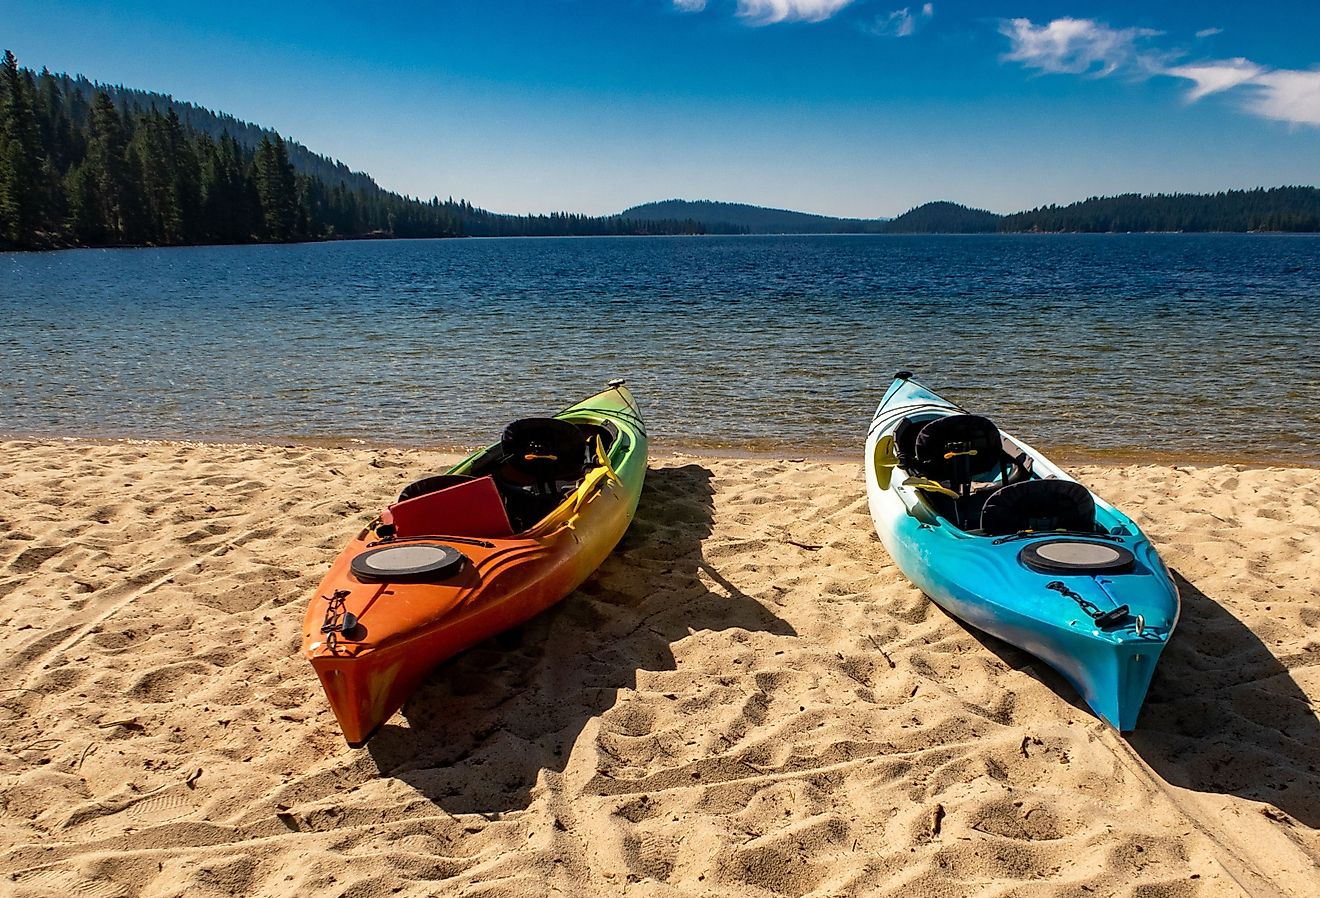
[
  {"x": 538, "y": 465},
  {"x": 982, "y": 482}
]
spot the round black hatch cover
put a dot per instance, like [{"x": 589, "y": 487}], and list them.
[
  {"x": 408, "y": 562},
  {"x": 1075, "y": 556}
]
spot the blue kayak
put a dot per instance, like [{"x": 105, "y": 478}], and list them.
[{"x": 1002, "y": 539}]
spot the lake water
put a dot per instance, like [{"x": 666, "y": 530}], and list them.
[{"x": 1193, "y": 345}]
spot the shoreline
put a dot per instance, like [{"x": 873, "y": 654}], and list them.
[
  {"x": 1029, "y": 232},
  {"x": 1064, "y": 455}
]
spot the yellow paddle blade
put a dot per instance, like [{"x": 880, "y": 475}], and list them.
[
  {"x": 886, "y": 459},
  {"x": 927, "y": 485}
]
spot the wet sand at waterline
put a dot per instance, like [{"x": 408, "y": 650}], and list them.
[{"x": 747, "y": 699}]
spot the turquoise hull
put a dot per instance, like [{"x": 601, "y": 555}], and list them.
[{"x": 982, "y": 581}]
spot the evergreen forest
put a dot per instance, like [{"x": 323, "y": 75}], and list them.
[
  {"x": 87, "y": 164},
  {"x": 1276, "y": 209},
  {"x": 90, "y": 164}
]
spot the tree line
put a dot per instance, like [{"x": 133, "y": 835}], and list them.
[
  {"x": 86, "y": 164},
  {"x": 1274, "y": 209}
]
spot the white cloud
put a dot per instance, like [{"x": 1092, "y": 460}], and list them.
[
  {"x": 1287, "y": 95},
  {"x": 1084, "y": 46},
  {"x": 1213, "y": 77},
  {"x": 1283, "y": 95},
  {"x": 902, "y": 22},
  {"x": 689, "y": 5},
  {"x": 765, "y": 12},
  {"x": 1077, "y": 46},
  {"x": 1203, "y": 33}
]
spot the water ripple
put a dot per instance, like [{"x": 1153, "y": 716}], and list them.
[{"x": 1129, "y": 343}]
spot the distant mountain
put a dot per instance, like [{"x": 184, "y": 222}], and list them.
[
  {"x": 740, "y": 218},
  {"x": 943, "y": 217},
  {"x": 1292, "y": 209}
]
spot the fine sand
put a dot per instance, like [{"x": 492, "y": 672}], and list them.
[{"x": 747, "y": 699}]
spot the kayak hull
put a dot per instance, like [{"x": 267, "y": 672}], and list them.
[
  {"x": 405, "y": 629},
  {"x": 984, "y": 582}
]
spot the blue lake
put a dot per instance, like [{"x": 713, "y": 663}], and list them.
[{"x": 1148, "y": 344}]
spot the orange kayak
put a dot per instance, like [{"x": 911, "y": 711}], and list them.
[{"x": 502, "y": 536}]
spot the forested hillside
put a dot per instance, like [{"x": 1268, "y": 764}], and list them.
[
  {"x": 86, "y": 164},
  {"x": 1276, "y": 209},
  {"x": 942, "y": 217},
  {"x": 740, "y": 218}
]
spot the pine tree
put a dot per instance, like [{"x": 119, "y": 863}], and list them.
[
  {"x": 113, "y": 216},
  {"x": 186, "y": 185},
  {"x": 162, "y": 219},
  {"x": 229, "y": 208},
  {"x": 276, "y": 189},
  {"x": 21, "y": 159}
]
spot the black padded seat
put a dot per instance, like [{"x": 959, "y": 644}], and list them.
[
  {"x": 545, "y": 449},
  {"x": 958, "y": 449},
  {"x": 542, "y": 457},
  {"x": 1039, "y": 505},
  {"x": 905, "y": 442}
]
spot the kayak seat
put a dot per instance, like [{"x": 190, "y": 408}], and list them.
[
  {"x": 544, "y": 458},
  {"x": 905, "y": 442},
  {"x": 959, "y": 449},
  {"x": 1039, "y": 505},
  {"x": 544, "y": 449}
]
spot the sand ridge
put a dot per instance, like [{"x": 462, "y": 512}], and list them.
[{"x": 747, "y": 699}]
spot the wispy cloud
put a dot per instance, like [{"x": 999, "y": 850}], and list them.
[
  {"x": 1213, "y": 77},
  {"x": 766, "y": 12},
  {"x": 1286, "y": 95},
  {"x": 1283, "y": 95},
  {"x": 1203, "y": 33},
  {"x": 903, "y": 22},
  {"x": 1078, "y": 46},
  {"x": 689, "y": 5},
  {"x": 1087, "y": 47}
]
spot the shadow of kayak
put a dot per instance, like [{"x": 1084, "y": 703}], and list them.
[
  {"x": 485, "y": 725},
  {"x": 1225, "y": 716}
]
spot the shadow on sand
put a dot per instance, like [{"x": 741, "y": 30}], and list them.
[
  {"x": 484, "y": 725},
  {"x": 1223, "y": 715}
]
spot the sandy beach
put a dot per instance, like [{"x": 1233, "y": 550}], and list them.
[{"x": 747, "y": 699}]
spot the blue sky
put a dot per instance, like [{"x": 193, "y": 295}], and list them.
[{"x": 844, "y": 107}]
